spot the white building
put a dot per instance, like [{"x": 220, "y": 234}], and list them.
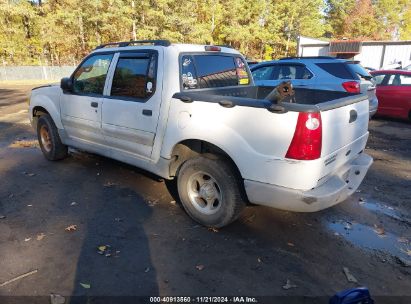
[{"x": 374, "y": 54}]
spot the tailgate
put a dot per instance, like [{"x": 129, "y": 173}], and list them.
[
  {"x": 343, "y": 125},
  {"x": 344, "y": 135}
]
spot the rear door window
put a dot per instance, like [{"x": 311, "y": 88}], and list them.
[
  {"x": 134, "y": 76},
  {"x": 337, "y": 69},
  {"x": 265, "y": 72},
  {"x": 212, "y": 71},
  {"x": 294, "y": 72},
  {"x": 399, "y": 80}
]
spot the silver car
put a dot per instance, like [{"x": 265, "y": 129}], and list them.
[{"x": 324, "y": 73}]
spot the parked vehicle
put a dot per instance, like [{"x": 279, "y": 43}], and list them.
[
  {"x": 323, "y": 73},
  {"x": 192, "y": 113},
  {"x": 394, "y": 93}
]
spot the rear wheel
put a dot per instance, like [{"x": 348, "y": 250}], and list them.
[
  {"x": 49, "y": 139},
  {"x": 210, "y": 190}
]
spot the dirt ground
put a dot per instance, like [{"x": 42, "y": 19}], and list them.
[{"x": 156, "y": 249}]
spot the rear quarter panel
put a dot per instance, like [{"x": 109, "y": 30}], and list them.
[{"x": 254, "y": 138}]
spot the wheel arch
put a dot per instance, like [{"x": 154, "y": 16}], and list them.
[
  {"x": 189, "y": 148},
  {"x": 42, "y": 105}
]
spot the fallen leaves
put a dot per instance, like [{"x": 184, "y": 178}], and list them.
[
  {"x": 200, "y": 267},
  {"x": 250, "y": 219},
  {"x": 40, "y": 236},
  {"x": 379, "y": 230},
  {"x": 30, "y": 174},
  {"x": 57, "y": 299},
  {"x": 107, "y": 251},
  {"x": 349, "y": 276},
  {"x": 289, "y": 285},
  {"x": 152, "y": 203},
  {"x": 71, "y": 228},
  {"x": 85, "y": 285},
  {"x": 21, "y": 143},
  {"x": 290, "y": 244},
  {"x": 213, "y": 229},
  {"x": 73, "y": 204},
  {"x": 109, "y": 184}
]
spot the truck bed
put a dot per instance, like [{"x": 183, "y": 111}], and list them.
[{"x": 305, "y": 100}]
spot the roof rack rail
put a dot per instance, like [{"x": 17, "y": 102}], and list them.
[
  {"x": 309, "y": 57},
  {"x": 133, "y": 42}
]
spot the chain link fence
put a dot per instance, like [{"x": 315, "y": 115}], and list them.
[{"x": 11, "y": 73}]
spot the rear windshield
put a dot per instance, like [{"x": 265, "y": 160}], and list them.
[
  {"x": 212, "y": 71},
  {"x": 338, "y": 69},
  {"x": 359, "y": 70}
]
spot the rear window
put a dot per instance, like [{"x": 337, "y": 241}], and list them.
[
  {"x": 337, "y": 69},
  {"x": 212, "y": 71},
  {"x": 359, "y": 70}
]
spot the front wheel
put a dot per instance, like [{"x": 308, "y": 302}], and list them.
[
  {"x": 49, "y": 139},
  {"x": 210, "y": 190}
]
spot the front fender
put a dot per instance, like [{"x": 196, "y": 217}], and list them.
[{"x": 48, "y": 99}]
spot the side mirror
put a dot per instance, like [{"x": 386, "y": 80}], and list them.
[{"x": 66, "y": 84}]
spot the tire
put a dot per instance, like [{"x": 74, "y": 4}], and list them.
[
  {"x": 49, "y": 139},
  {"x": 210, "y": 190}
]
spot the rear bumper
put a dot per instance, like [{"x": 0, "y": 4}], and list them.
[{"x": 336, "y": 189}]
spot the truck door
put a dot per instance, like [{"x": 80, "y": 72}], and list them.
[
  {"x": 81, "y": 108},
  {"x": 132, "y": 102}
]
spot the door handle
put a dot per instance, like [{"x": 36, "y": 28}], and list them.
[
  {"x": 94, "y": 104},
  {"x": 147, "y": 112}
]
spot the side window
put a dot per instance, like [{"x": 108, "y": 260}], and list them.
[
  {"x": 264, "y": 73},
  {"x": 301, "y": 72},
  {"x": 188, "y": 73},
  {"x": 379, "y": 79},
  {"x": 213, "y": 71},
  {"x": 294, "y": 72},
  {"x": 338, "y": 69},
  {"x": 286, "y": 72},
  {"x": 399, "y": 80},
  {"x": 134, "y": 77},
  {"x": 405, "y": 80},
  {"x": 91, "y": 76}
]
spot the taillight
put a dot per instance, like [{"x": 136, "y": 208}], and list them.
[
  {"x": 351, "y": 86},
  {"x": 212, "y": 48},
  {"x": 307, "y": 139}
]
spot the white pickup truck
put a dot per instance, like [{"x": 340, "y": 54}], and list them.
[{"x": 192, "y": 112}]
